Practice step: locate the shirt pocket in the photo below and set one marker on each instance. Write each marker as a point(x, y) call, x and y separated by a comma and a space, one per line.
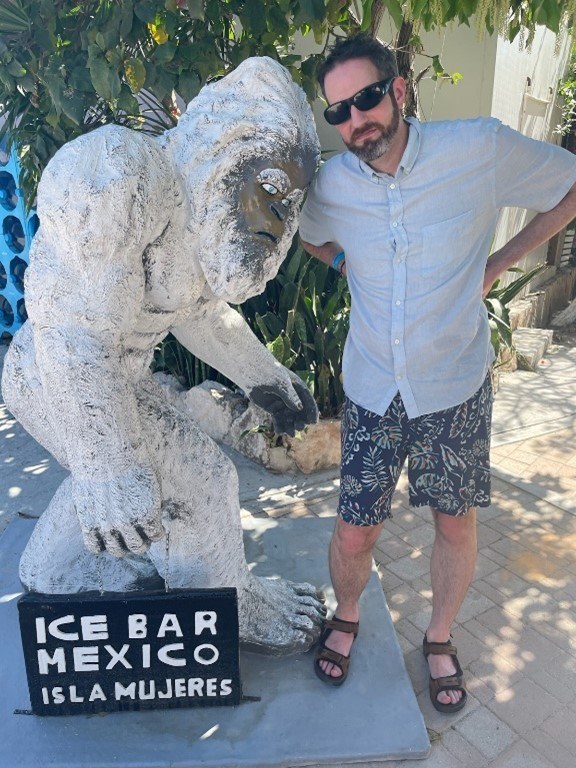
point(446, 244)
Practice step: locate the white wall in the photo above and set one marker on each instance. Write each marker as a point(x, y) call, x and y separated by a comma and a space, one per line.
point(525, 84)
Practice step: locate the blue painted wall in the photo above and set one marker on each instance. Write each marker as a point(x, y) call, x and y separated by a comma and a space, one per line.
point(17, 231)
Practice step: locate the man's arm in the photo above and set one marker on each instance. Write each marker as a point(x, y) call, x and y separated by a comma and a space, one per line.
point(542, 227)
point(324, 253)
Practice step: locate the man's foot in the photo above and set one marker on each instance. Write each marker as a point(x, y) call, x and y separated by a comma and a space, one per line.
point(331, 664)
point(447, 691)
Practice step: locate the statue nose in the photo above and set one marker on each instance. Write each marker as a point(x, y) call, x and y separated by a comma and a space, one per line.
point(279, 210)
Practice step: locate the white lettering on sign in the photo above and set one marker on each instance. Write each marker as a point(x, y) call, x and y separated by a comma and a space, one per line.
point(86, 658)
point(129, 690)
point(164, 655)
point(170, 624)
point(44, 659)
point(204, 620)
point(116, 657)
point(54, 629)
point(137, 626)
point(94, 627)
point(143, 690)
point(200, 648)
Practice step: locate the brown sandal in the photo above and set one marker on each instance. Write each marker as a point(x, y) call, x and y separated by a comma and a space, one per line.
point(327, 654)
point(453, 682)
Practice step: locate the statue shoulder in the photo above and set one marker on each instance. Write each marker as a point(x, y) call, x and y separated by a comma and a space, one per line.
point(109, 160)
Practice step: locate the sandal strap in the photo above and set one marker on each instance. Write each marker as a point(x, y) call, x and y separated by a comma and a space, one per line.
point(440, 684)
point(439, 649)
point(327, 654)
point(350, 627)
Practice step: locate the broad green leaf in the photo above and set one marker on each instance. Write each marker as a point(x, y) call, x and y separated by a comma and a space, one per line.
point(135, 73)
point(196, 9)
point(13, 18)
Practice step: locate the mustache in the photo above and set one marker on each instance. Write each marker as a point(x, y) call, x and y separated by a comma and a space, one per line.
point(366, 127)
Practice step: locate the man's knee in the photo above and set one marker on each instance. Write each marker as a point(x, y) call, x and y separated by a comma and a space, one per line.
point(355, 539)
point(456, 529)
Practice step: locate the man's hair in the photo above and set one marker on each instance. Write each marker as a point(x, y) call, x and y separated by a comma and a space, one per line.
point(360, 46)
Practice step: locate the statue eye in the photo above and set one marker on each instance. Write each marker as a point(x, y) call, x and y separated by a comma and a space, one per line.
point(270, 188)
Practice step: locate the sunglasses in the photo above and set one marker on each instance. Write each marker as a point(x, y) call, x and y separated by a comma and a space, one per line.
point(366, 99)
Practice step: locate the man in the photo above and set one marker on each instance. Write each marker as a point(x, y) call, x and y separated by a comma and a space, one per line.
point(140, 236)
point(408, 214)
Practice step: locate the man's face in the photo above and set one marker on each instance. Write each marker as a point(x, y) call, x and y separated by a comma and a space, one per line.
point(252, 221)
point(370, 134)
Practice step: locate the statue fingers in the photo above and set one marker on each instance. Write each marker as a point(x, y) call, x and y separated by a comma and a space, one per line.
point(93, 540)
point(115, 543)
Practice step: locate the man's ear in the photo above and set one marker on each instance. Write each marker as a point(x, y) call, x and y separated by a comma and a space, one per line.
point(399, 88)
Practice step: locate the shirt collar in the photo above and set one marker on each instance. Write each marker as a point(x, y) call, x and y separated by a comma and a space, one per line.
point(410, 153)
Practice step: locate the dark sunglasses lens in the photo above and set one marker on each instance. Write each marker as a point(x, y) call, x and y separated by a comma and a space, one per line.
point(369, 98)
point(337, 113)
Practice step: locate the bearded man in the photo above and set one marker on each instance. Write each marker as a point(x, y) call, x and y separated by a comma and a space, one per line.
point(140, 236)
point(408, 214)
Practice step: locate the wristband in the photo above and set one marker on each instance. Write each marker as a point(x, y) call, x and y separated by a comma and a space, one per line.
point(337, 261)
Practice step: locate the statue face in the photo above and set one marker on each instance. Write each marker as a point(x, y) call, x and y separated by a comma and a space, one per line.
point(269, 195)
point(252, 224)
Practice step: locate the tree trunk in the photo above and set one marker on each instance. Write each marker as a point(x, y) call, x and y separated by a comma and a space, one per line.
point(405, 55)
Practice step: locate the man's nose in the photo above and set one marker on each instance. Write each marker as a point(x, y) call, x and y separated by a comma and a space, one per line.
point(357, 117)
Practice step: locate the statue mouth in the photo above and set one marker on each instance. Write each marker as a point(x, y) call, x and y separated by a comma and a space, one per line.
point(268, 236)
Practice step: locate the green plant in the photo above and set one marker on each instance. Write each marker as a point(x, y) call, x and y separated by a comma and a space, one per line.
point(567, 92)
point(302, 317)
point(497, 303)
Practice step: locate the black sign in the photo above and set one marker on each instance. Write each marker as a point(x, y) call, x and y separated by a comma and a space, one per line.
point(90, 653)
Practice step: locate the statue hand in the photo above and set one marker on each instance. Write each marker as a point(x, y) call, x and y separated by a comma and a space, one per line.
point(121, 515)
point(291, 409)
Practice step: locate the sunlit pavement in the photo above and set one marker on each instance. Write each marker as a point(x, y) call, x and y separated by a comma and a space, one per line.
point(516, 634)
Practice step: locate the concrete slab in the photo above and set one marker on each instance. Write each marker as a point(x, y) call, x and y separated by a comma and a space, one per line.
point(529, 404)
point(288, 719)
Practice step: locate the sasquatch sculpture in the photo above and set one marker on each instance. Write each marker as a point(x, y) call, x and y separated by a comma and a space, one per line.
point(140, 236)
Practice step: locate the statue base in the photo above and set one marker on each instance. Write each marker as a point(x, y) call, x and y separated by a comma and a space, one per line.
point(287, 718)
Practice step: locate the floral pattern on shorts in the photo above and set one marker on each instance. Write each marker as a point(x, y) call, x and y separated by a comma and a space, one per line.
point(448, 455)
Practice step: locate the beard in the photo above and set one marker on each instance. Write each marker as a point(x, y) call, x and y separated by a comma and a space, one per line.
point(372, 149)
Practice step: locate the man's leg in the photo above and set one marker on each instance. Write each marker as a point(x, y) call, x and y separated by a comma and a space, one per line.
point(350, 567)
point(451, 570)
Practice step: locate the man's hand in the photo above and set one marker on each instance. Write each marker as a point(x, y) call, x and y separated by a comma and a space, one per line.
point(119, 516)
point(291, 410)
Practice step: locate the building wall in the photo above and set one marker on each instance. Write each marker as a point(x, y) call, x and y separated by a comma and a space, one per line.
point(524, 97)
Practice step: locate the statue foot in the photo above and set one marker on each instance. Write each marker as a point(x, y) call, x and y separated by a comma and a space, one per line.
point(278, 617)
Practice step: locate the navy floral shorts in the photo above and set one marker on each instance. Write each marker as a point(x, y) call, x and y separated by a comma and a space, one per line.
point(448, 456)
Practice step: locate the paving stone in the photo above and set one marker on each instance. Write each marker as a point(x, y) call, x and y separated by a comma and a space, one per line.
point(522, 755)
point(549, 746)
point(404, 601)
point(484, 566)
point(457, 745)
point(411, 566)
point(524, 706)
point(506, 582)
point(560, 726)
point(484, 731)
point(475, 604)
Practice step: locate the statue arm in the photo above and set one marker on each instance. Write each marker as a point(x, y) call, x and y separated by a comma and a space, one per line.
point(85, 287)
point(220, 336)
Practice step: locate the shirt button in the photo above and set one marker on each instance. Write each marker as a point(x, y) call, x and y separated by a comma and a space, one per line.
point(394, 223)
point(392, 186)
point(398, 303)
point(396, 341)
point(399, 377)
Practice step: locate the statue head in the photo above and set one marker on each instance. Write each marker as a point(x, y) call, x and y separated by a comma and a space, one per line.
point(247, 149)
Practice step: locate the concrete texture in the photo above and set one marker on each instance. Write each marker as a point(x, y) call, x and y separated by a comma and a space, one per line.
point(516, 633)
point(288, 719)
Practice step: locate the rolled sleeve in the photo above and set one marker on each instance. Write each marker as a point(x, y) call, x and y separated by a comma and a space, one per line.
point(531, 174)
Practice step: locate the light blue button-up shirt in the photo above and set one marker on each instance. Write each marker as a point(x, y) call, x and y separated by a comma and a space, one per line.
point(416, 248)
